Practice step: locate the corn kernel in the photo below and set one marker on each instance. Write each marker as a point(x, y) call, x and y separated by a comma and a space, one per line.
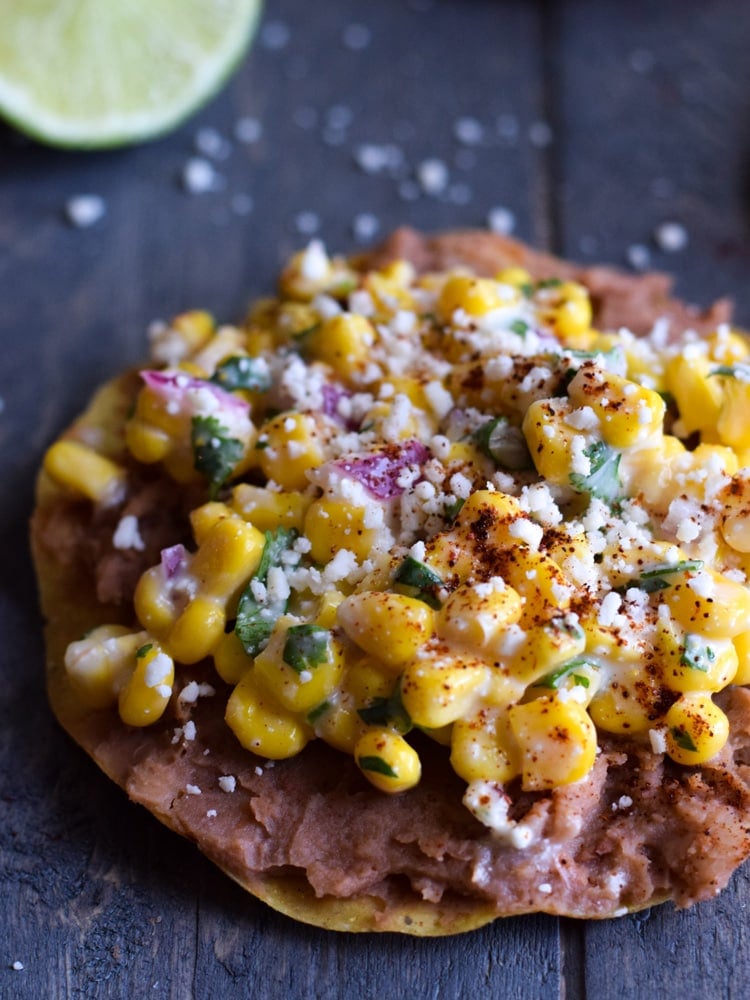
point(437, 690)
point(516, 277)
point(476, 296)
point(100, 663)
point(228, 557)
point(567, 308)
point(691, 663)
point(550, 438)
point(307, 683)
point(343, 342)
point(697, 729)
point(203, 518)
point(338, 723)
point(629, 414)
point(390, 627)
point(332, 525)
point(709, 604)
point(557, 741)
point(197, 631)
point(146, 694)
point(291, 448)
point(489, 516)
point(80, 469)
point(475, 615)
point(267, 509)
point(483, 748)
point(230, 659)
point(387, 760)
point(742, 648)
point(261, 725)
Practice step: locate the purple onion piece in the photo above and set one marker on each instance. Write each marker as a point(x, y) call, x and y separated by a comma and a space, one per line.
point(173, 560)
point(174, 386)
point(380, 471)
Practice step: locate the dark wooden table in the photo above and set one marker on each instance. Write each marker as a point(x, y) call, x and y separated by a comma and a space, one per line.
point(593, 122)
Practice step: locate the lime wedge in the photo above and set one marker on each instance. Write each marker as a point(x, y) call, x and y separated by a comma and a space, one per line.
point(97, 73)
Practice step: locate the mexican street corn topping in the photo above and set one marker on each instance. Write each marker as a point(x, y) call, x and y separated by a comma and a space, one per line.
point(437, 507)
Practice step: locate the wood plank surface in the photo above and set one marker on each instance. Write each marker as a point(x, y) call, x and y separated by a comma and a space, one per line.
point(593, 123)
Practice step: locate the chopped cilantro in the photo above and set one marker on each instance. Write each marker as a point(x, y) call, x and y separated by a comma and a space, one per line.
point(526, 289)
point(556, 677)
point(302, 335)
point(653, 579)
point(696, 654)
point(503, 443)
point(376, 764)
point(306, 647)
point(549, 283)
point(143, 650)
point(418, 579)
point(388, 711)
point(683, 739)
point(603, 480)
point(316, 713)
point(215, 454)
point(256, 618)
point(741, 371)
point(241, 372)
point(520, 326)
point(452, 510)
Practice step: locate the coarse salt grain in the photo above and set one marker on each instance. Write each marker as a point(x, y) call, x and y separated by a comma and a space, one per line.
point(501, 220)
point(433, 176)
point(199, 176)
point(247, 130)
point(671, 237)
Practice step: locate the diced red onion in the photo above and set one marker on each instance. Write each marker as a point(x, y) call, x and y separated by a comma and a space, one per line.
point(175, 386)
point(380, 471)
point(173, 559)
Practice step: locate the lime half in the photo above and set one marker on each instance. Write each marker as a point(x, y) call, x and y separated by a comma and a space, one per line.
point(96, 73)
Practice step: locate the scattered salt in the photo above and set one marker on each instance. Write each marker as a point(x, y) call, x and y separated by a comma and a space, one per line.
point(84, 210)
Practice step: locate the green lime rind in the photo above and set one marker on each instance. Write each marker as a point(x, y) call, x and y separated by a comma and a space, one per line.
point(81, 74)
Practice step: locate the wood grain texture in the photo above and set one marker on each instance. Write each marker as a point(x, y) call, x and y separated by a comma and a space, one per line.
point(98, 900)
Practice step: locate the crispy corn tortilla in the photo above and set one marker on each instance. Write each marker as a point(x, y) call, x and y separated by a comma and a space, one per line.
point(137, 759)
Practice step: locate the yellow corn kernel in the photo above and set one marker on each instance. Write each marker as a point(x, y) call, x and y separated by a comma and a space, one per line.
point(540, 582)
point(412, 422)
point(629, 414)
point(437, 689)
point(261, 724)
point(550, 438)
point(697, 729)
point(98, 665)
point(476, 296)
point(338, 723)
point(697, 393)
point(328, 606)
point(267, 509)
point(299, 683)
point(197, 630)
point(312, 271)
point(227, 342)
point(390, 627)
point(230, 659)
point(342, 341)
point(387, 760)
point(483, 748)
point(691, 663)
point(557, 742)
point(80, 469)
point(203, 518)
point(742, 648)
point(147, 692)
point(153, 602)
point(475, 615)
point(735, 518)
point(227, 557)
point(449, 554)
point(146, 443)
point(332, 525)
point(727, 346)
point(488, 515)
point(627, 705)
point(389, 287)
point(516, 277)
point(709, 604)
point(410, 387)
point(291, 448)
point(733, 426)
point(567, 308)
point(544, 647)
point(366, 680)
point(649, 472)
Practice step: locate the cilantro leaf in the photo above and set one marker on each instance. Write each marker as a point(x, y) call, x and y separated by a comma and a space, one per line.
point(603, 480)
point(376, 764)
point(657, 578)
point(215, 454)
point(419, 581)
point(306, 647)
point(388, 711)
point(503, 443)
point(741, 371)
point(316, 713)
point(556, 677)
point(257, 617)
point(241, 372)
point(683, 739)
point(143, 650)
point(520, 326)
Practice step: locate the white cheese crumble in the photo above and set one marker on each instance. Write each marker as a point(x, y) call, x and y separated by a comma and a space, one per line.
point(227, 783)
point(127, 534)
point(193, 790)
